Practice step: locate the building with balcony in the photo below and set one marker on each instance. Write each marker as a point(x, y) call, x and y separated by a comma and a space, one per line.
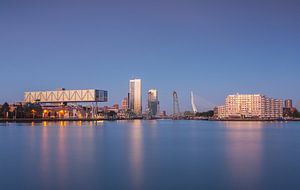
point(251, 106)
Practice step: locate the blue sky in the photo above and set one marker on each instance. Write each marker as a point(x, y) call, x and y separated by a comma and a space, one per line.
point(213, 47)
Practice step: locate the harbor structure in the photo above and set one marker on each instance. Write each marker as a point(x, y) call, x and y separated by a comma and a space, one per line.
point(135, 96)
point(250, 106)
point(62, 103)
point(66, 96)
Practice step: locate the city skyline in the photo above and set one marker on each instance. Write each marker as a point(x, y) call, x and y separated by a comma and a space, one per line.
point(205, 104)
point(211, 48)
point(149, 94)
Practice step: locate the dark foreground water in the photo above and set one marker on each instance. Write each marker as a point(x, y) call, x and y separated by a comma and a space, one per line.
point(150, 155)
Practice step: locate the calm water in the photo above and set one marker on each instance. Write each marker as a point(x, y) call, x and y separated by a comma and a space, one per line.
point(154, 155)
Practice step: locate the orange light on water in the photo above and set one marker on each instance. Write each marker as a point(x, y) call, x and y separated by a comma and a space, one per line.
point(45, 124)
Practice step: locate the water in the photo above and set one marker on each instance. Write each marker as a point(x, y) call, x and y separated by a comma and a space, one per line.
point(150, 155)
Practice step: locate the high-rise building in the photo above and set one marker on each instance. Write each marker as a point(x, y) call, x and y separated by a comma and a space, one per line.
point(251, 106)
point(288, 104)
point(135, 96)
point(125, 104)
point(153, 103)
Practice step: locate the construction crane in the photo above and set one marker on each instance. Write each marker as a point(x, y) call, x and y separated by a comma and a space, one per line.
point(176, 109)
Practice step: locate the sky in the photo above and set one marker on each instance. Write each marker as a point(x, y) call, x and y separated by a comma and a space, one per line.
point(211, 47)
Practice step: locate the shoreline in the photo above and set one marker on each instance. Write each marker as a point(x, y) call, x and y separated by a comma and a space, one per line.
point(258, 120)
point(28, 120)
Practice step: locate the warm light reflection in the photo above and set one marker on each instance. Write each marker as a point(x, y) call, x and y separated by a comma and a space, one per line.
point(45, 155)
point(63, 123)
point(61, 154)
point(136, 156)
point(32, 124)
point(248, 125)
point(45, 124)
point(244, 152)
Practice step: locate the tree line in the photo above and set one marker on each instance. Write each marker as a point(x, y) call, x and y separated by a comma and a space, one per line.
point(21, 111)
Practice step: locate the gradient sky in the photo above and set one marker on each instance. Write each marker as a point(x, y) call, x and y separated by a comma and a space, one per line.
point(213, 47)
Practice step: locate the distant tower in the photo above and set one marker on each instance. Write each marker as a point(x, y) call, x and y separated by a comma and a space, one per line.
point(153, 103)
point(193, 103)
point(135, 96)
point(176, 110)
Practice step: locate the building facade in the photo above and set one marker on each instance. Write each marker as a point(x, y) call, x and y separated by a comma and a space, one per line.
point(153, 103)
point(289, 110)
point(220, 112)
point(125, 104)
point(135, 96)
point(288, 104)
point(251, 106)
point(67, 96)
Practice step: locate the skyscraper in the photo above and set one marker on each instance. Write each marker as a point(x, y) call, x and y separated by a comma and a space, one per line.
point(135, 96)
point(153, 103)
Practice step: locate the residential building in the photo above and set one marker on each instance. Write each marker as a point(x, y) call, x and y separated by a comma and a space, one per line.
point(251, 106)
point(220, 112)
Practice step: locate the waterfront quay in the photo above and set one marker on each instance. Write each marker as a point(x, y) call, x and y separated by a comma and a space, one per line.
point(26, 120)
point(83, 105)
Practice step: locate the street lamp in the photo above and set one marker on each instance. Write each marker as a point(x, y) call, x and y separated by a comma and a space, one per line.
point(33, 113)
point(45, 113)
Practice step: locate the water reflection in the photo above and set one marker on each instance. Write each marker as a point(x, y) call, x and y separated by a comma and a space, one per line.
point(136, 156)
point(150, 155)
point(244, 153)
point(63, 123)
point(45, 156)
point(61, 155)
point(45, 124)
point(153, 131)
